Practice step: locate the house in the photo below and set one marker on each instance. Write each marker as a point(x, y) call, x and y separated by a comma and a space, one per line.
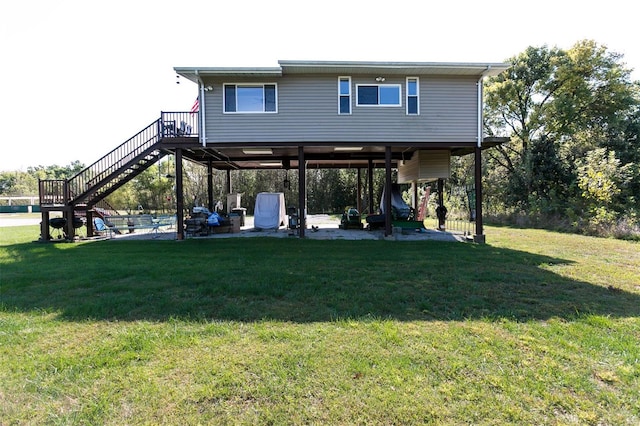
point(412, 116)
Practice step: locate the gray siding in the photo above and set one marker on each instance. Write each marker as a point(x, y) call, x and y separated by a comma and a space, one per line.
point(308, 112)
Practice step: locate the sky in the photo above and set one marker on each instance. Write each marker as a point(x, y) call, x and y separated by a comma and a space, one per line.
point(78, 78)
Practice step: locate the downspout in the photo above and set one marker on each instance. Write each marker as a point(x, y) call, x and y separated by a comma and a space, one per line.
point(480, 115)
point(201, 112)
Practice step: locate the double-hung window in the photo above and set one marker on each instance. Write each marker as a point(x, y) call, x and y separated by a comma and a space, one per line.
point(378, 95)
point(344, 95)
point(250, 98)
point(413, 99)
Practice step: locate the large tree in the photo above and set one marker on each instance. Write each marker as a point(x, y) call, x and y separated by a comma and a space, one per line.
point(557, 105)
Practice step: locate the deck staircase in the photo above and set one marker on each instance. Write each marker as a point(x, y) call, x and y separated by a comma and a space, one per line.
point(95, 182)
point(86, 191)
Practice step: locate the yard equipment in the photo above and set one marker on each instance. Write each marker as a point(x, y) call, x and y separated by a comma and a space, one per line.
point(351, 219)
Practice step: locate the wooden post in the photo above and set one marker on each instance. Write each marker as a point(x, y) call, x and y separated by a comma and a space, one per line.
point(479, 236)
point(441, 220)
point(302, 196)
point(179, 196)
point(359, 191)
point(89, 224)
point(229, 186)
point(70, 230)
point(210, 184)
point(370, 179)
point(45, 235)
point(387, 192)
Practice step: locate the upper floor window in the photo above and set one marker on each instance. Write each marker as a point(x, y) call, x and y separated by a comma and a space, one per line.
point(344, 95)
point(250, 98)
point(413, 99)
point(378, 95)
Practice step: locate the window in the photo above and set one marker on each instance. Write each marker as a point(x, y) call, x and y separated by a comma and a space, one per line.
point(344, 95)
point(413, 88)
point(250, 98)
point(378, 95)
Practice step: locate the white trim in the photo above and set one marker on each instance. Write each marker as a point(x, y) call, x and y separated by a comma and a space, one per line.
point(399, 86)
point(417, 95)
point(256, 84)
point(340, 95)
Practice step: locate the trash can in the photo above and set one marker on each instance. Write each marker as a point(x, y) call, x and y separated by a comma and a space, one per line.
point(240, 211)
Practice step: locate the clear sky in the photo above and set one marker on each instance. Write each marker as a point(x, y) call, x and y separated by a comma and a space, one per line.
point(78, 78)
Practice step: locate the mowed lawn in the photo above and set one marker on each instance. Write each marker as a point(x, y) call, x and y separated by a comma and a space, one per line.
point(534, 327)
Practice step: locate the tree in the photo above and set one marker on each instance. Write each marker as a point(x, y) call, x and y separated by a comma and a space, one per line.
point(556, 106)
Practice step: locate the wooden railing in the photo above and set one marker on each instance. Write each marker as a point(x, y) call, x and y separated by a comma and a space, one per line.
point(53, 192)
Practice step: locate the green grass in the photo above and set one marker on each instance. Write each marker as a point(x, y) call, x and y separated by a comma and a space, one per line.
point(535, 327)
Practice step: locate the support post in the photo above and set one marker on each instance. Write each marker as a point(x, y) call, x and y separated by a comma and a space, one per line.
point(210, 184)
point(359, 191)
point(70, 230)
point(387, 192)
point(89, 224)
point(302, 196)
point(479, 236)
point(441, 216)
point(45, 235)
point(370, 184)
point(179, 196)
point(229, 186)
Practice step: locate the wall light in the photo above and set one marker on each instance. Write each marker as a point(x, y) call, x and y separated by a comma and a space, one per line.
point(380, 79)
point(208, 88)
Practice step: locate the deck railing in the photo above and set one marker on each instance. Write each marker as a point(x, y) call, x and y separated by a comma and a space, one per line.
point(179, 124)
point(53, 192)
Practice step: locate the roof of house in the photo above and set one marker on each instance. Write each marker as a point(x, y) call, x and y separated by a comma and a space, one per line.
point(477, 69)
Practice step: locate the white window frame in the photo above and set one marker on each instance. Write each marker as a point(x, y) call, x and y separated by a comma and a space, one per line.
point(246, 84)
point(399, 104)
point(417, 95)
point(349, 95)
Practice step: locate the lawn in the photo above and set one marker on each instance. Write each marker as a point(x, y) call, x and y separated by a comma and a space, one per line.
point(534, 327)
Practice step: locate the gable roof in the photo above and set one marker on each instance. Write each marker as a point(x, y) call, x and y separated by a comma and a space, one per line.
point(477, 69)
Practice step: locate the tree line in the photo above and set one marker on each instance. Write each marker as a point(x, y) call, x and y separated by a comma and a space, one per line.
point(572, 162)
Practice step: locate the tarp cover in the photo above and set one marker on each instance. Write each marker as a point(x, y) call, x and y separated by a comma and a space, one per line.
point(400, 209)
point(270, 211)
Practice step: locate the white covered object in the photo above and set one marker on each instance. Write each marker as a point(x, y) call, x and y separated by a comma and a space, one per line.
point(270, 211)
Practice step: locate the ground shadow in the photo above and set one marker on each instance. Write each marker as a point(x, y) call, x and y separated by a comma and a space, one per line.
point(296, 280)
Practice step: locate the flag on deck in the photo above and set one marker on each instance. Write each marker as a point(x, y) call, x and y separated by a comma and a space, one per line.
point(196, 106)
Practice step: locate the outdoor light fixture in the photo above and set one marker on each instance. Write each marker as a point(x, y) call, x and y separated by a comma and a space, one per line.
point(380, 79)
point(208, 88)
point(270, 164)
point(257, 151)
point(347, 148)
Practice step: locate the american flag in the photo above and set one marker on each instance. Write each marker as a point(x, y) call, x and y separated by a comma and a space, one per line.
point(196, 106)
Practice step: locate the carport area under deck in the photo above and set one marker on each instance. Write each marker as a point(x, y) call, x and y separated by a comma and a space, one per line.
point(303, 156)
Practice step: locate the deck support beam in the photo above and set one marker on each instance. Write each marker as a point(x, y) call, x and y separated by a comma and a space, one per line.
point(210, 184)
point(370, 184)
point(387, 192)
point(302, 195)
point(179, 196)
point(479, 236)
